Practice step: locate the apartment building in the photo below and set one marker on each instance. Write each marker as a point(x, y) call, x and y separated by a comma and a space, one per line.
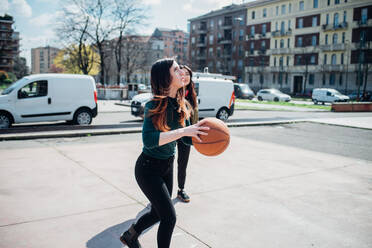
point(42, 59)
point(9, 43)
point(175, 43)
point(298, 45)
point(217, 41)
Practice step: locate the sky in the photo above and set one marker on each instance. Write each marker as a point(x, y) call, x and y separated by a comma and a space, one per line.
point(35, 19)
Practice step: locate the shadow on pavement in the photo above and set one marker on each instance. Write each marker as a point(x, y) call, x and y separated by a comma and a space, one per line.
point(109, 238)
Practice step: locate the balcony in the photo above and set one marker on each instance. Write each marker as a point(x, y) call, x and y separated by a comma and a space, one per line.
point(281, 33)
point(201, 43)
point(333, 68)
point(227, 25)
point(224, 40)
point(279, 51)
point(202, 30)
point(333, 27)
point(364, 22)
point(333, 47)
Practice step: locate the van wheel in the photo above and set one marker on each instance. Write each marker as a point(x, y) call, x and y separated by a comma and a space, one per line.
point(259, 98)
point(276, 99)
point(5, 121)
point(315, 101)
point(223, 114)
point(83, 117)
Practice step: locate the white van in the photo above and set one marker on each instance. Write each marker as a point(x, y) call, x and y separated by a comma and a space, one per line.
point(323, 95)
point(49, 97)
point(215, 96)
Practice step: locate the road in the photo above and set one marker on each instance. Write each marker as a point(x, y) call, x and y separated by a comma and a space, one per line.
point(292, 185)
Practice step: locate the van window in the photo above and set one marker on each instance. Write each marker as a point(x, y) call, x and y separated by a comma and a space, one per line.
point(329, 93)
point(196, 86)
point(13, 86)
point(34, 89)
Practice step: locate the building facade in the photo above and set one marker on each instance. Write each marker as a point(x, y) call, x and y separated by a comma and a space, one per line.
point(42, 59)
point(9, 43)
point(217, 41)
point(298, 45)
point(175, 43)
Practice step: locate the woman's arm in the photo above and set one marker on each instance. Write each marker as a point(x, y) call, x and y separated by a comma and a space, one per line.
point(189, 131)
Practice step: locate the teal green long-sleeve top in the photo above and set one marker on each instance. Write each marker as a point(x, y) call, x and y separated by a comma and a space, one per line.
point(150, 135)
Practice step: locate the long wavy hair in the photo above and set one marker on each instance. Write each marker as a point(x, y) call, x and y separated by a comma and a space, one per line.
point(160, 83)
point(190, 88)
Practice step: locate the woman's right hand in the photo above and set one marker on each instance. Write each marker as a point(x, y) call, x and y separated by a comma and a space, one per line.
point(196, 130)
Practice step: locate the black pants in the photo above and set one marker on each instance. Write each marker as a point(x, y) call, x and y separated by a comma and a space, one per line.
point(155, 178)
point(182, 160)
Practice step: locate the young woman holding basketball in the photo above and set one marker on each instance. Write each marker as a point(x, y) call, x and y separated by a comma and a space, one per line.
point(166, 120)
point(183, 149)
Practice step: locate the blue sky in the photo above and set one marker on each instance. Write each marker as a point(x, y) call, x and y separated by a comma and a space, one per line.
point(35, 19)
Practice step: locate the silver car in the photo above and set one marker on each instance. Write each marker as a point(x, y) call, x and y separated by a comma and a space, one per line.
point(272, 95)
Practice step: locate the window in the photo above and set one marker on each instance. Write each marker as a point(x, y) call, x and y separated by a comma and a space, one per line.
point(264, 29)
point(276, 26)
point(193, 40)
point(219, 22)
point(313, 40)
point(328, 2)
point(323, 79)
point(274, 61)
point(277, 10)
point(343, 38)
point(327, 19)
point(312, 59)
point(299, 42)
point(283, 9)
point(333, 60)
point(253, 14)
point(315, 4)
point(335, 20)
point(211, 23)
point(211, 51)
point(340, 80)
point(193, 27)
point(342, 58)
point(311, 79)
point(261, 78)
point(250, 78)
point(287, 60)
point(34, 89)
point(288, 42)
point(325, 59)
point(211, 39)
point(289, 24)
point(252, 31)
point(337, 1)
point(264, 13)
point(334, 39)
point(274, 78)
point(241, 34)
point(301, 6)
point(364, 15)
point(290, 8)
point(345, 16)
point(252, 47)
point(281, 62)
point(276, 43)
point(315, 21)
point(218, 52)
point(240, 63)
point(282, 27)
point(332, 79)
point(298, 60)
point(286, 78)
point(300, 23)
point(263, 45)
point(326, 39)
point(281, 43)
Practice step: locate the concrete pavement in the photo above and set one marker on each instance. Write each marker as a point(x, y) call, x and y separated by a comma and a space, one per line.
point(81, 192)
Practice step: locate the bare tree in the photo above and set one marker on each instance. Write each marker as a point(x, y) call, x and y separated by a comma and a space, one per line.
point(127, 14)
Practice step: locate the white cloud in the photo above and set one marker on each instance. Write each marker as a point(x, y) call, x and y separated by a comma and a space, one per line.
point(151, 2)
point(21, 7)
point(4, 6)
point(43, 20)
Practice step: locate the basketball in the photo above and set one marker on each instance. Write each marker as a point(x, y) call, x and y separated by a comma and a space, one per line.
point(216, 141)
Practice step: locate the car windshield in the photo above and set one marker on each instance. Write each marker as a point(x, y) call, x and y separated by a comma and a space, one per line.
point(13, 86)
point(244, 87)
point(336, 92)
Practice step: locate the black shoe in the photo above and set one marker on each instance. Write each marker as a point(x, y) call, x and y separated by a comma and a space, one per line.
point(130, 238)
point(183, 196)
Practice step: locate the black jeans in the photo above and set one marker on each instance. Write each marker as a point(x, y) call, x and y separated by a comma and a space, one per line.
point(182, 160)
point(155, 178)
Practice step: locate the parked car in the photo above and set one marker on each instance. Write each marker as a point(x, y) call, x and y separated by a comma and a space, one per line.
point(354, 95)
point(272, 95)
point(49, 97)
point(243, 91)
point(215, 94)
point(323, 95)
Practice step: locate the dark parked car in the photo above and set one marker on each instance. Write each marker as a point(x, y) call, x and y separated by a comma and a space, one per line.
point(243, 91)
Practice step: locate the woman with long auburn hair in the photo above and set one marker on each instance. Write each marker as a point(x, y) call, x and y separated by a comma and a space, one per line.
point(182, 148)
point(166, 120)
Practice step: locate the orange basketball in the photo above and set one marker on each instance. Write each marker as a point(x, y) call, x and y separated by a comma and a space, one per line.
point(216, 141)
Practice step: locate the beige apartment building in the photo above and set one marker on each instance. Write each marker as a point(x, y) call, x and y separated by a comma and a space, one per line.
point(42, 59)
point(298, 45)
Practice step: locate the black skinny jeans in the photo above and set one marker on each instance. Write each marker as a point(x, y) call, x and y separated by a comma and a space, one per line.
point(182, 160)
point(155, 178)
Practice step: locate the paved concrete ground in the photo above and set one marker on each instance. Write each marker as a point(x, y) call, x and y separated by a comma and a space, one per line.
point(81, 192)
